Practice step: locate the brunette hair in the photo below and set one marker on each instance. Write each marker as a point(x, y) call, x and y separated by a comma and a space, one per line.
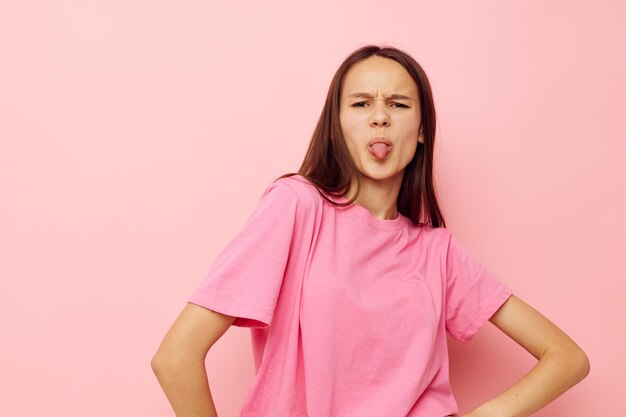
point(328, 164)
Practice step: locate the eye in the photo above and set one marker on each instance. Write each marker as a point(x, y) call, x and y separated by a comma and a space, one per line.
point(362, 103)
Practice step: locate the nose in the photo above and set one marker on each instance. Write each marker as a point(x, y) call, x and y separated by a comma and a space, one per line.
point(380, 115)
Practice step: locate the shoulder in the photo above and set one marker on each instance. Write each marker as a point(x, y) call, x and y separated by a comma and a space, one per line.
point(436, 235)
point(299, 189)
point(432, 242)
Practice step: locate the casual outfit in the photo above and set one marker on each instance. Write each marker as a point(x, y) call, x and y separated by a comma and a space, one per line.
point(348, 313)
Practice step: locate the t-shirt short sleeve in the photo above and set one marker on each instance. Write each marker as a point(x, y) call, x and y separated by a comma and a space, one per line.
point(474, 294)
point(245, 279)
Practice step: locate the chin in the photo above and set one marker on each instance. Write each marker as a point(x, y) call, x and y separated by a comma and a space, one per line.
point(380, 175)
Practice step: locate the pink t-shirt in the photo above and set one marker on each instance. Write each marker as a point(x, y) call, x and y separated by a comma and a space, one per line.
point(348, 312)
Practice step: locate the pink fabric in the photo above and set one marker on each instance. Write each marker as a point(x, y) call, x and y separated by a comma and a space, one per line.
point(348, 313)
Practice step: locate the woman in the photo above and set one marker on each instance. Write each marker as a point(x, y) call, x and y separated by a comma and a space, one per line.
point(348, 294)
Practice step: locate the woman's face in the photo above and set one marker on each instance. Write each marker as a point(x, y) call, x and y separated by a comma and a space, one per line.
point(379, 99)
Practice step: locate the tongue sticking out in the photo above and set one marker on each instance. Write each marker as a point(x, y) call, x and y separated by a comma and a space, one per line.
point(379, 150)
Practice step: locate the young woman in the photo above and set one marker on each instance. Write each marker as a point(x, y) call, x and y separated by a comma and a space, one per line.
point(349, 280)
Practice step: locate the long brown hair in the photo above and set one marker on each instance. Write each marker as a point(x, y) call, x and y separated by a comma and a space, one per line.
point(328, 164)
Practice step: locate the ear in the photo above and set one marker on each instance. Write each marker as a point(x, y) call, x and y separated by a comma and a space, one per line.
point(420, 136)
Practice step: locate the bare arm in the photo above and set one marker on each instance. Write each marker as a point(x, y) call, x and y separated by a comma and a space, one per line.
point(562, 364)
point(179, 362)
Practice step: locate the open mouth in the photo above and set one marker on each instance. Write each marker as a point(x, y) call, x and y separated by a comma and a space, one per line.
point(379, 150)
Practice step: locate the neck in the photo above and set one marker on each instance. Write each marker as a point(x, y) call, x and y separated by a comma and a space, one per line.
point(379, 197)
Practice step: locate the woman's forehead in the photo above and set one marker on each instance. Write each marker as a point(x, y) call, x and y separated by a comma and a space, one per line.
point(369, 77)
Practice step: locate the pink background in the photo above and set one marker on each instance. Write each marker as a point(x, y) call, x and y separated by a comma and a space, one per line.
point(136, 138)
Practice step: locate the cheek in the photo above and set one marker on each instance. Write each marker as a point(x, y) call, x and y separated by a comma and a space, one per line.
point(410, 124)
point(349, 123)
point(347, 131)
point(344, 123)
point(351, 133)
point(408, 150)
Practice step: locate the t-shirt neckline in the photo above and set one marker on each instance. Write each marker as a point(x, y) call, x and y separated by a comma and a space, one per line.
point(362, 213)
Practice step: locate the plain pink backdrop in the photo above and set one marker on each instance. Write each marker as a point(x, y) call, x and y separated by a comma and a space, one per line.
point(137, 137)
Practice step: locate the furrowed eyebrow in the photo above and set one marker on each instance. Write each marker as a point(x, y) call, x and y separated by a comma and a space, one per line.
point(393, 96)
